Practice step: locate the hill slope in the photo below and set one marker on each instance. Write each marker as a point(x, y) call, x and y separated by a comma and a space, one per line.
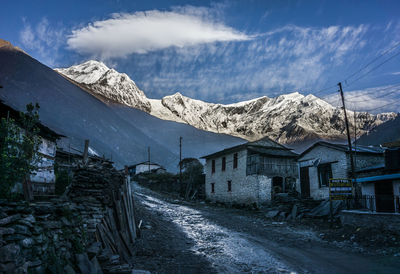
point(385, 133)
point(73, 112)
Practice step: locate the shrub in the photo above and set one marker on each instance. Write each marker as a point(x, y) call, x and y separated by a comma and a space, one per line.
point(19, 143)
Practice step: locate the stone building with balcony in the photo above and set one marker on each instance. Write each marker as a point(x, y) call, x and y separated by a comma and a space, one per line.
point(251, 173)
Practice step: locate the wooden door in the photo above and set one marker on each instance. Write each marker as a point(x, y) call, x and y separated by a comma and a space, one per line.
point(304, 182)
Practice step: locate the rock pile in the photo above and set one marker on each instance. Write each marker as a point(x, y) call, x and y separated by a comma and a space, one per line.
point(93, 188)
point(288, 207)
point(89, 230)
point(39, 237)
point(105, 200)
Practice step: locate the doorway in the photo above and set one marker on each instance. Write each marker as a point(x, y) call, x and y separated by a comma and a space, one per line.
point(384, 196)
point(277, 185)
point(304, 182)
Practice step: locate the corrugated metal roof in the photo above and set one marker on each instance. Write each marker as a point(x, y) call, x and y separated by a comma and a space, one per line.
point(369, 168)
point(145, 163)
point(345, 148)
point(265, 144)
point(272, 151)
point(378, 178)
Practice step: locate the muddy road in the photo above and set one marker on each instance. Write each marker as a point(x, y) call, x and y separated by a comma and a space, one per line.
point(179, 237)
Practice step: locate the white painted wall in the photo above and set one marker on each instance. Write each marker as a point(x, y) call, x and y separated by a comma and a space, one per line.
point(145, 168)
point(340, 169)
point(396, 187)
point(46, 154)
point(368, 189)
point(324, 155)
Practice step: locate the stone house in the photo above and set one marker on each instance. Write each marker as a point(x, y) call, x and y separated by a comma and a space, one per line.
point(324, 160)
point(145, 167)
point(380, 184)
point(250, 173)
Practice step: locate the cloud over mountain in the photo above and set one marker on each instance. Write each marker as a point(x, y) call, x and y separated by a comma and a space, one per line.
point(143, 32)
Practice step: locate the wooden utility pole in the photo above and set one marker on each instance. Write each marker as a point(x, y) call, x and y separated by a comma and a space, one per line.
point(180, 163)
point(348, 131)
point(86, 153)
point(148, 156)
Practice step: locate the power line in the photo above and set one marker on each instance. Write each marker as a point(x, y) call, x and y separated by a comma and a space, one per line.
point(364, 67)
point(372, 109)
point(375, 59)
point(365, 100)
point(373, 91)
point(374, 68)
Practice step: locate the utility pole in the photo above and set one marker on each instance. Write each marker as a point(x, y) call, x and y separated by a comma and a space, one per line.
point(148, 156)
point(348, 137)
point(180, 163)
point(85, 156)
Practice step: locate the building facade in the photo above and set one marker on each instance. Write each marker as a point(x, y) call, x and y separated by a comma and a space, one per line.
point(324, 160)
point(145, 167)
point(250, 173)
point(380, 184)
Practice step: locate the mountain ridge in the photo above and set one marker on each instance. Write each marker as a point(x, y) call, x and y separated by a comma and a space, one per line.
point(117, 131)
point(287, 118)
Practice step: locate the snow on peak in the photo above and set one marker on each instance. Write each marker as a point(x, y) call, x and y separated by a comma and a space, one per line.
point(286, 118)
point(109, 83)
point(88, 72)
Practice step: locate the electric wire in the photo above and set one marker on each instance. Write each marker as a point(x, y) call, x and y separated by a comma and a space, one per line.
point(375, 59)
point(374, 68)
point(372, 91)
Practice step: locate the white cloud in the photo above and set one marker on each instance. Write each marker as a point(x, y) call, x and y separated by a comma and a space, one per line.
point(42, 41)
point(283, 60)
point(143, 32)
point(374, 100)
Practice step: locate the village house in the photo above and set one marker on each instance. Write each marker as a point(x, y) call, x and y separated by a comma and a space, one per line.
point(42, 181)
point(145, 167)
point(324, 160)
point(380, 184)
point(250, 173)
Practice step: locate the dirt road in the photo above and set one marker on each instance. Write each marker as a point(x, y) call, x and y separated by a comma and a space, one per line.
point(182, 237)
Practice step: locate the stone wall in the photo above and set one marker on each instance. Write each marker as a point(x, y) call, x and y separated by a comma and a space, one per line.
point(384, 221)
point(366, 160)
point(39, 237)
point(62, 235)
point(326, 155)
point(244, 189)
point(340, 163)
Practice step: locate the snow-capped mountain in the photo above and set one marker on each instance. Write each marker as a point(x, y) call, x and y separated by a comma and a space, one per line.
point(103, 81)
point(115, 131)
point(287, 118)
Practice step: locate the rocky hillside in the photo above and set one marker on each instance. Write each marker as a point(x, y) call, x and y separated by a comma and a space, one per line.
point(103, 81)
point(288, 118)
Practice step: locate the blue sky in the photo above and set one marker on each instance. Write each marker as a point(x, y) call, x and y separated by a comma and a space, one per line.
point(223, 51)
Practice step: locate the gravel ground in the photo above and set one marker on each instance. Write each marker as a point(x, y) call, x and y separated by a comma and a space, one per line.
point(182, 237)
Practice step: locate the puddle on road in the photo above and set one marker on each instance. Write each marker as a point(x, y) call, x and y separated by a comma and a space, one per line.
point(227, 250)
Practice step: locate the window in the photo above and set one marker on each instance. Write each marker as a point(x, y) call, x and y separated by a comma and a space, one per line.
point(235, 160)
point(223, 163)
point(212, 187)
point(213, 166)
point(324, 174)
point(229, 186)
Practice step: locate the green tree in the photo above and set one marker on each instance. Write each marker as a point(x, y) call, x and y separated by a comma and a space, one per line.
point(192, 171)
point(19, 143)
